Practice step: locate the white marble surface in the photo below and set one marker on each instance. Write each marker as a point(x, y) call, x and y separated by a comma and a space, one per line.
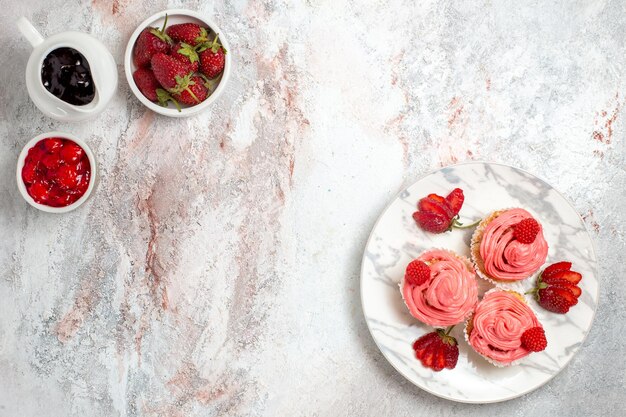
point(215, 269)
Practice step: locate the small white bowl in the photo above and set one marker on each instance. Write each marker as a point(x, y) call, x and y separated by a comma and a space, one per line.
point(22, 158)
point(176, 16)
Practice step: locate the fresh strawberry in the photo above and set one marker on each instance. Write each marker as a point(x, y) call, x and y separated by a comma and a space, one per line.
point(571, 276)
point(437, 198)
point(150, 87)
point(186, 53)
point(437, 350)
point(146, 83)
point(428, 204)
point(526, 231)
point(212, 58)
point(189, 33)
point(534, 339)
point(196, 92)
point(556, 299)
point(170, 72)
point(431, 222)
point(150, 42)
point(455, 200)
point(562, 283)
point(556, 289)
point(417, 273)
point(437, 214)
point(559, 266)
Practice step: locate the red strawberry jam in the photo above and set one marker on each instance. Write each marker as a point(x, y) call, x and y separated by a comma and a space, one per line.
point(56, 172)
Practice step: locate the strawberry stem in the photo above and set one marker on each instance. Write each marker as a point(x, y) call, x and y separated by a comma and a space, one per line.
point(448, 330)
point(458, 225)
point(164, 23)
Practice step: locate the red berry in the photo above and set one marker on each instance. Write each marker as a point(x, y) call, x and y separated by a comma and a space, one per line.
point(212, 58)
point(437, 350)
point(189, 33)
point(172, 74)
point(52, 145)
point(198, 88)
point(571, 276)
point(186, 54)
point(417, 273)
point(71, 153)
point(534, 339)
point(559, 266)
point(431, 222)
point(146, 83)
point(526, 231)
point(428, 204)
point(455, 200)
point(150, 42)
point(563, 283)
point(556, 299)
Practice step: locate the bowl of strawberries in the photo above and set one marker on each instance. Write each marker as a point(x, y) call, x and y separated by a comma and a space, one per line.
point(177, 62)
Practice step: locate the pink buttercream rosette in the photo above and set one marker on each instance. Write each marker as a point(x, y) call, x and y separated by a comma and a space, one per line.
point(449, 296)
point(498, 256)
point(499, 320)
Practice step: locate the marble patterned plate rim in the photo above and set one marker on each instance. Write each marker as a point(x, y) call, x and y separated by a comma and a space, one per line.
point(595, 273)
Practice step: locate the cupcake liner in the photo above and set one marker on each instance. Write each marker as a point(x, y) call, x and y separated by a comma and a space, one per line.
point(469, 323)
point(470, 266)
point(516, 286)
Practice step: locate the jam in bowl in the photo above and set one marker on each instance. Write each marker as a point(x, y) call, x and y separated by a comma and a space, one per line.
point(56, 172)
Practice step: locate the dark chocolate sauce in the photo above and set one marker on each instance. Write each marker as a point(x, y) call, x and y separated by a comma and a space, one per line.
point(65, 73)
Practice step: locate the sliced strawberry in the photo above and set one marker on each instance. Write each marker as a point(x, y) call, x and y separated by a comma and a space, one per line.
point(455, 200)
point(575, 289)
point(431, 222)
point(433, 206)
point(437, 198)
point(571, 276)
point(559, 266)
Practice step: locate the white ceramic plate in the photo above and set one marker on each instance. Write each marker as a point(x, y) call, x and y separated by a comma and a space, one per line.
point(396, 240)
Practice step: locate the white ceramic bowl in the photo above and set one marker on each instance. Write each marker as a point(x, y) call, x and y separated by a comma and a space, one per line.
point(176, 16)
point(22, 158)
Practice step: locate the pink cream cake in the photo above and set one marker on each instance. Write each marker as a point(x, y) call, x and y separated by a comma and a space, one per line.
point(498, 256)
point(496, 327)
point(448, 296)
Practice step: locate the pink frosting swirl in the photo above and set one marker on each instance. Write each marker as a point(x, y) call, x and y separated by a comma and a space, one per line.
point(448, 296)
point(505, 258)
point(497, 326)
